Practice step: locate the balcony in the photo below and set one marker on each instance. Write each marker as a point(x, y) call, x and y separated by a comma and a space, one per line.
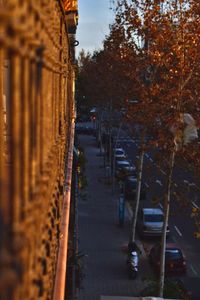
point(71, 12)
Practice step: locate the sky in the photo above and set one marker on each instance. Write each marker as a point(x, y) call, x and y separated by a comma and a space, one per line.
point(93, 25)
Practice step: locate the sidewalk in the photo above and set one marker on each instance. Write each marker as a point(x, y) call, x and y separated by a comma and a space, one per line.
point(101, 238)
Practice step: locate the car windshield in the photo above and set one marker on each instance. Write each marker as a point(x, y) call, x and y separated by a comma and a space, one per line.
point(173, 254)
point(126, 167)
point(119, 152)
point(123, 163)
point(153, 218)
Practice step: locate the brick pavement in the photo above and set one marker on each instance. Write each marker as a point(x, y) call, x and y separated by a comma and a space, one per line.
point(100, 237)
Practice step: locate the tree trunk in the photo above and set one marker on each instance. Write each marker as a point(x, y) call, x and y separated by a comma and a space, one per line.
point(165, 224)
point(114, 160)
point(138, 189)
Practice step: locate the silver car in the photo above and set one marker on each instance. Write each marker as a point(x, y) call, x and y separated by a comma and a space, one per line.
point(150, 222)
point(119, 153)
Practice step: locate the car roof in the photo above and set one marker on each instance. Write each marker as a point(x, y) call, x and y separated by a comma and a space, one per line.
point(174, 250)
point(119, 149)
point(152, 211)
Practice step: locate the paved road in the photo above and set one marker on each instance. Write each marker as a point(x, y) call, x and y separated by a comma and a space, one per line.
point(184, 187)
point(100, 237)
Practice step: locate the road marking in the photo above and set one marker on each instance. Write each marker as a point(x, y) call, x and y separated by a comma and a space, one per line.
point(178, 231)
point(150, 159)
point(175, 185)
point(146, 184)
point(192, 184)
point(147, 155)
point(195, 205)
point(160, 205)
point(186, 181)
point(163, 172)
point(159, 182)
point(193, 270)
point(137, 156)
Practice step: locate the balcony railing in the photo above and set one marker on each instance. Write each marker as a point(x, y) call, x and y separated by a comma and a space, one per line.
point(36, 117)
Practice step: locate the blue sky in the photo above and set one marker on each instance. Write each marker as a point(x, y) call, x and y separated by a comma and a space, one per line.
point(94, 19)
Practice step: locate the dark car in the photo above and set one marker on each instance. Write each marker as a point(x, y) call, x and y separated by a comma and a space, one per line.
point(123, 169)
point(175, 263)
point(130, 185)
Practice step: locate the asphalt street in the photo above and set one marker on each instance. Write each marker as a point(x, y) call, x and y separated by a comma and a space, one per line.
point(185, 196)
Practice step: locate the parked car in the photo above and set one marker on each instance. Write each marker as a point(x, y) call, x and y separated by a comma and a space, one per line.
point(123, 169)
point(130, 185)
point(119, 151)
point(150, 222)
point(118, 158)
point(119, 154)
point(174, 259)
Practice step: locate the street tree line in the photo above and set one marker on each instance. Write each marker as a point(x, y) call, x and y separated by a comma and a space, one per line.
point(152, 55)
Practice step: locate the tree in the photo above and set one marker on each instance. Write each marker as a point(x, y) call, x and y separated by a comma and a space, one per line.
point(152, 55)
point(165, 36)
